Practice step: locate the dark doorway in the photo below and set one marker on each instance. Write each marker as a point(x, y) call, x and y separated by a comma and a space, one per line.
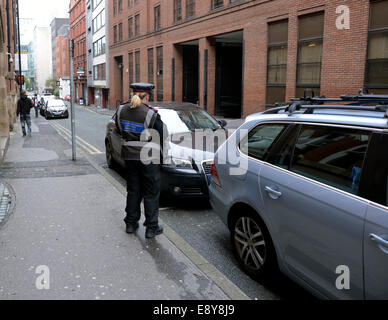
point(120, 84)
point(190, 73)
point(229, 73)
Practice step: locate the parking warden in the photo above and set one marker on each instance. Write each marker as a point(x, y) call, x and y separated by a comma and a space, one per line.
point(143, 179)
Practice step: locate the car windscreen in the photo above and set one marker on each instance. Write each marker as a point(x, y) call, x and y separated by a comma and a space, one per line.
point(56, 103)
point(179, 121)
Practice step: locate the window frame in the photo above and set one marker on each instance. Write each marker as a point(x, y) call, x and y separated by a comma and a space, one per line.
point(157, 17)
point(302, 41)
point(271, 45)
point(300, 124)
point(177, 11)
point(369, 85)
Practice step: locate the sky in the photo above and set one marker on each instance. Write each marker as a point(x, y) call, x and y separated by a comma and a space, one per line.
point(43, 12)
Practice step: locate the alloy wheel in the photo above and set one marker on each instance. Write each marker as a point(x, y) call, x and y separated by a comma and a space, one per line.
point(250, 243)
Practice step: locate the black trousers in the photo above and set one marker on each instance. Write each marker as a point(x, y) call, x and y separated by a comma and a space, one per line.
point(143, 183)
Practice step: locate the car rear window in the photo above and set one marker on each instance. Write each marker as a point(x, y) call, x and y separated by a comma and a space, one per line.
point(331, 155)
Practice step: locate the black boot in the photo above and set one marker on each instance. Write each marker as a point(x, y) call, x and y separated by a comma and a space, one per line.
point(131, 228)
point(152, 232)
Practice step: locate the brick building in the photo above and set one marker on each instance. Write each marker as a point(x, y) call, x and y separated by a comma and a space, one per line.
point(236, 57)
point(59, 27)
point(62, 57)
point(78, 33)
point(8, 86)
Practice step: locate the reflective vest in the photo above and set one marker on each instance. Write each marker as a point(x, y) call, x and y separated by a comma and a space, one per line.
point(134, 124)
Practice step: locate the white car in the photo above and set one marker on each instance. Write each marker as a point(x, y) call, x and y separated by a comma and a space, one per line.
point(56, 108)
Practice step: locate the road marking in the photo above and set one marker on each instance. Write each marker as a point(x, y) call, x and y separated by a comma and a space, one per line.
point(80, 142)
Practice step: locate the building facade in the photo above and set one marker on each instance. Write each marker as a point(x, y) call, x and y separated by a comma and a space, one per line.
point(237, 57)
point(98, 54)
point(8, 86)
point(42, 57)
point(59, 27)
point(77, 12)
point(62, 57)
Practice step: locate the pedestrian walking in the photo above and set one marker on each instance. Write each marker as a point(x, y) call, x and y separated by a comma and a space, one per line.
point(143, 179)
point(24, 109)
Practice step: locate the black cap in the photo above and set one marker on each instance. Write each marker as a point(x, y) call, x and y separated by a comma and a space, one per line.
point(142, 87)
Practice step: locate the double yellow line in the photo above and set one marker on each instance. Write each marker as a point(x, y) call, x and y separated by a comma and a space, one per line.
point(66, 134)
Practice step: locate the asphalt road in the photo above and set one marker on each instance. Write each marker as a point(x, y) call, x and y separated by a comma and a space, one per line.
point(195, 222)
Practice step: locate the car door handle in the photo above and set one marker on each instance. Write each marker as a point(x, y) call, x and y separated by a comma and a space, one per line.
point(378, 240)
point(274, 194)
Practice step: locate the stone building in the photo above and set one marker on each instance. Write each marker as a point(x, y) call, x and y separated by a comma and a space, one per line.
point(8, 86)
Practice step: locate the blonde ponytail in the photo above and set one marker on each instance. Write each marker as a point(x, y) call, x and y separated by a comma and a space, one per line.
point(137, 99)
point(135, 102)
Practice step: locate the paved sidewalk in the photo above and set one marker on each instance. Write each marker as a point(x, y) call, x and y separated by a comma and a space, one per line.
point(69, 218)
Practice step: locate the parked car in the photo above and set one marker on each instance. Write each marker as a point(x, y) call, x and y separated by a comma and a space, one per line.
point(311, 198)
point(186, 176)
point(56, 108)
point(46, 97)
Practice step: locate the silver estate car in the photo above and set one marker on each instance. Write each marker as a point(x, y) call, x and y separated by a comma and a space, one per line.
point(303, 188)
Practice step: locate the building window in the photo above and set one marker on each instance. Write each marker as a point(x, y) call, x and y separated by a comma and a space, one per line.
point(130, 27)
point(99, 47)
point(99, 72)
point(177, 10)
point(120, 32)
point(120, 6)
point(95, 3)
point(99, 21)
point(114, 7)
point(130, 3)
point(190, 8)
point(114, 34)
point(137, 66)
point(130, 68)
point(137, 24)
point(309, 62)
point(277, 62)
point(376, 79)
point(159, 74)
point(151, 65)
point(217, 4)
point(157, 18)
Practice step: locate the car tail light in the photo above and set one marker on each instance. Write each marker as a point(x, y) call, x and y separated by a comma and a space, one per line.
point(214, 173)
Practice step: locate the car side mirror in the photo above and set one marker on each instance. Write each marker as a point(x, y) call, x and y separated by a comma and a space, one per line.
point(222, 123)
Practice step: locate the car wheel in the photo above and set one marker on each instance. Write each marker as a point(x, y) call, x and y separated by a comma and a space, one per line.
point(109, 157)
point(253, 246)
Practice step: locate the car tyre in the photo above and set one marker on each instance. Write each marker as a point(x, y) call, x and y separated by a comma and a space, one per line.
point(253, 246)
point(109, 156)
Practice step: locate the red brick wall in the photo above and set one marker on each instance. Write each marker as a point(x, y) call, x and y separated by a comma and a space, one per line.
point(77, 11)
point(344, 51)
point(63, 63)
